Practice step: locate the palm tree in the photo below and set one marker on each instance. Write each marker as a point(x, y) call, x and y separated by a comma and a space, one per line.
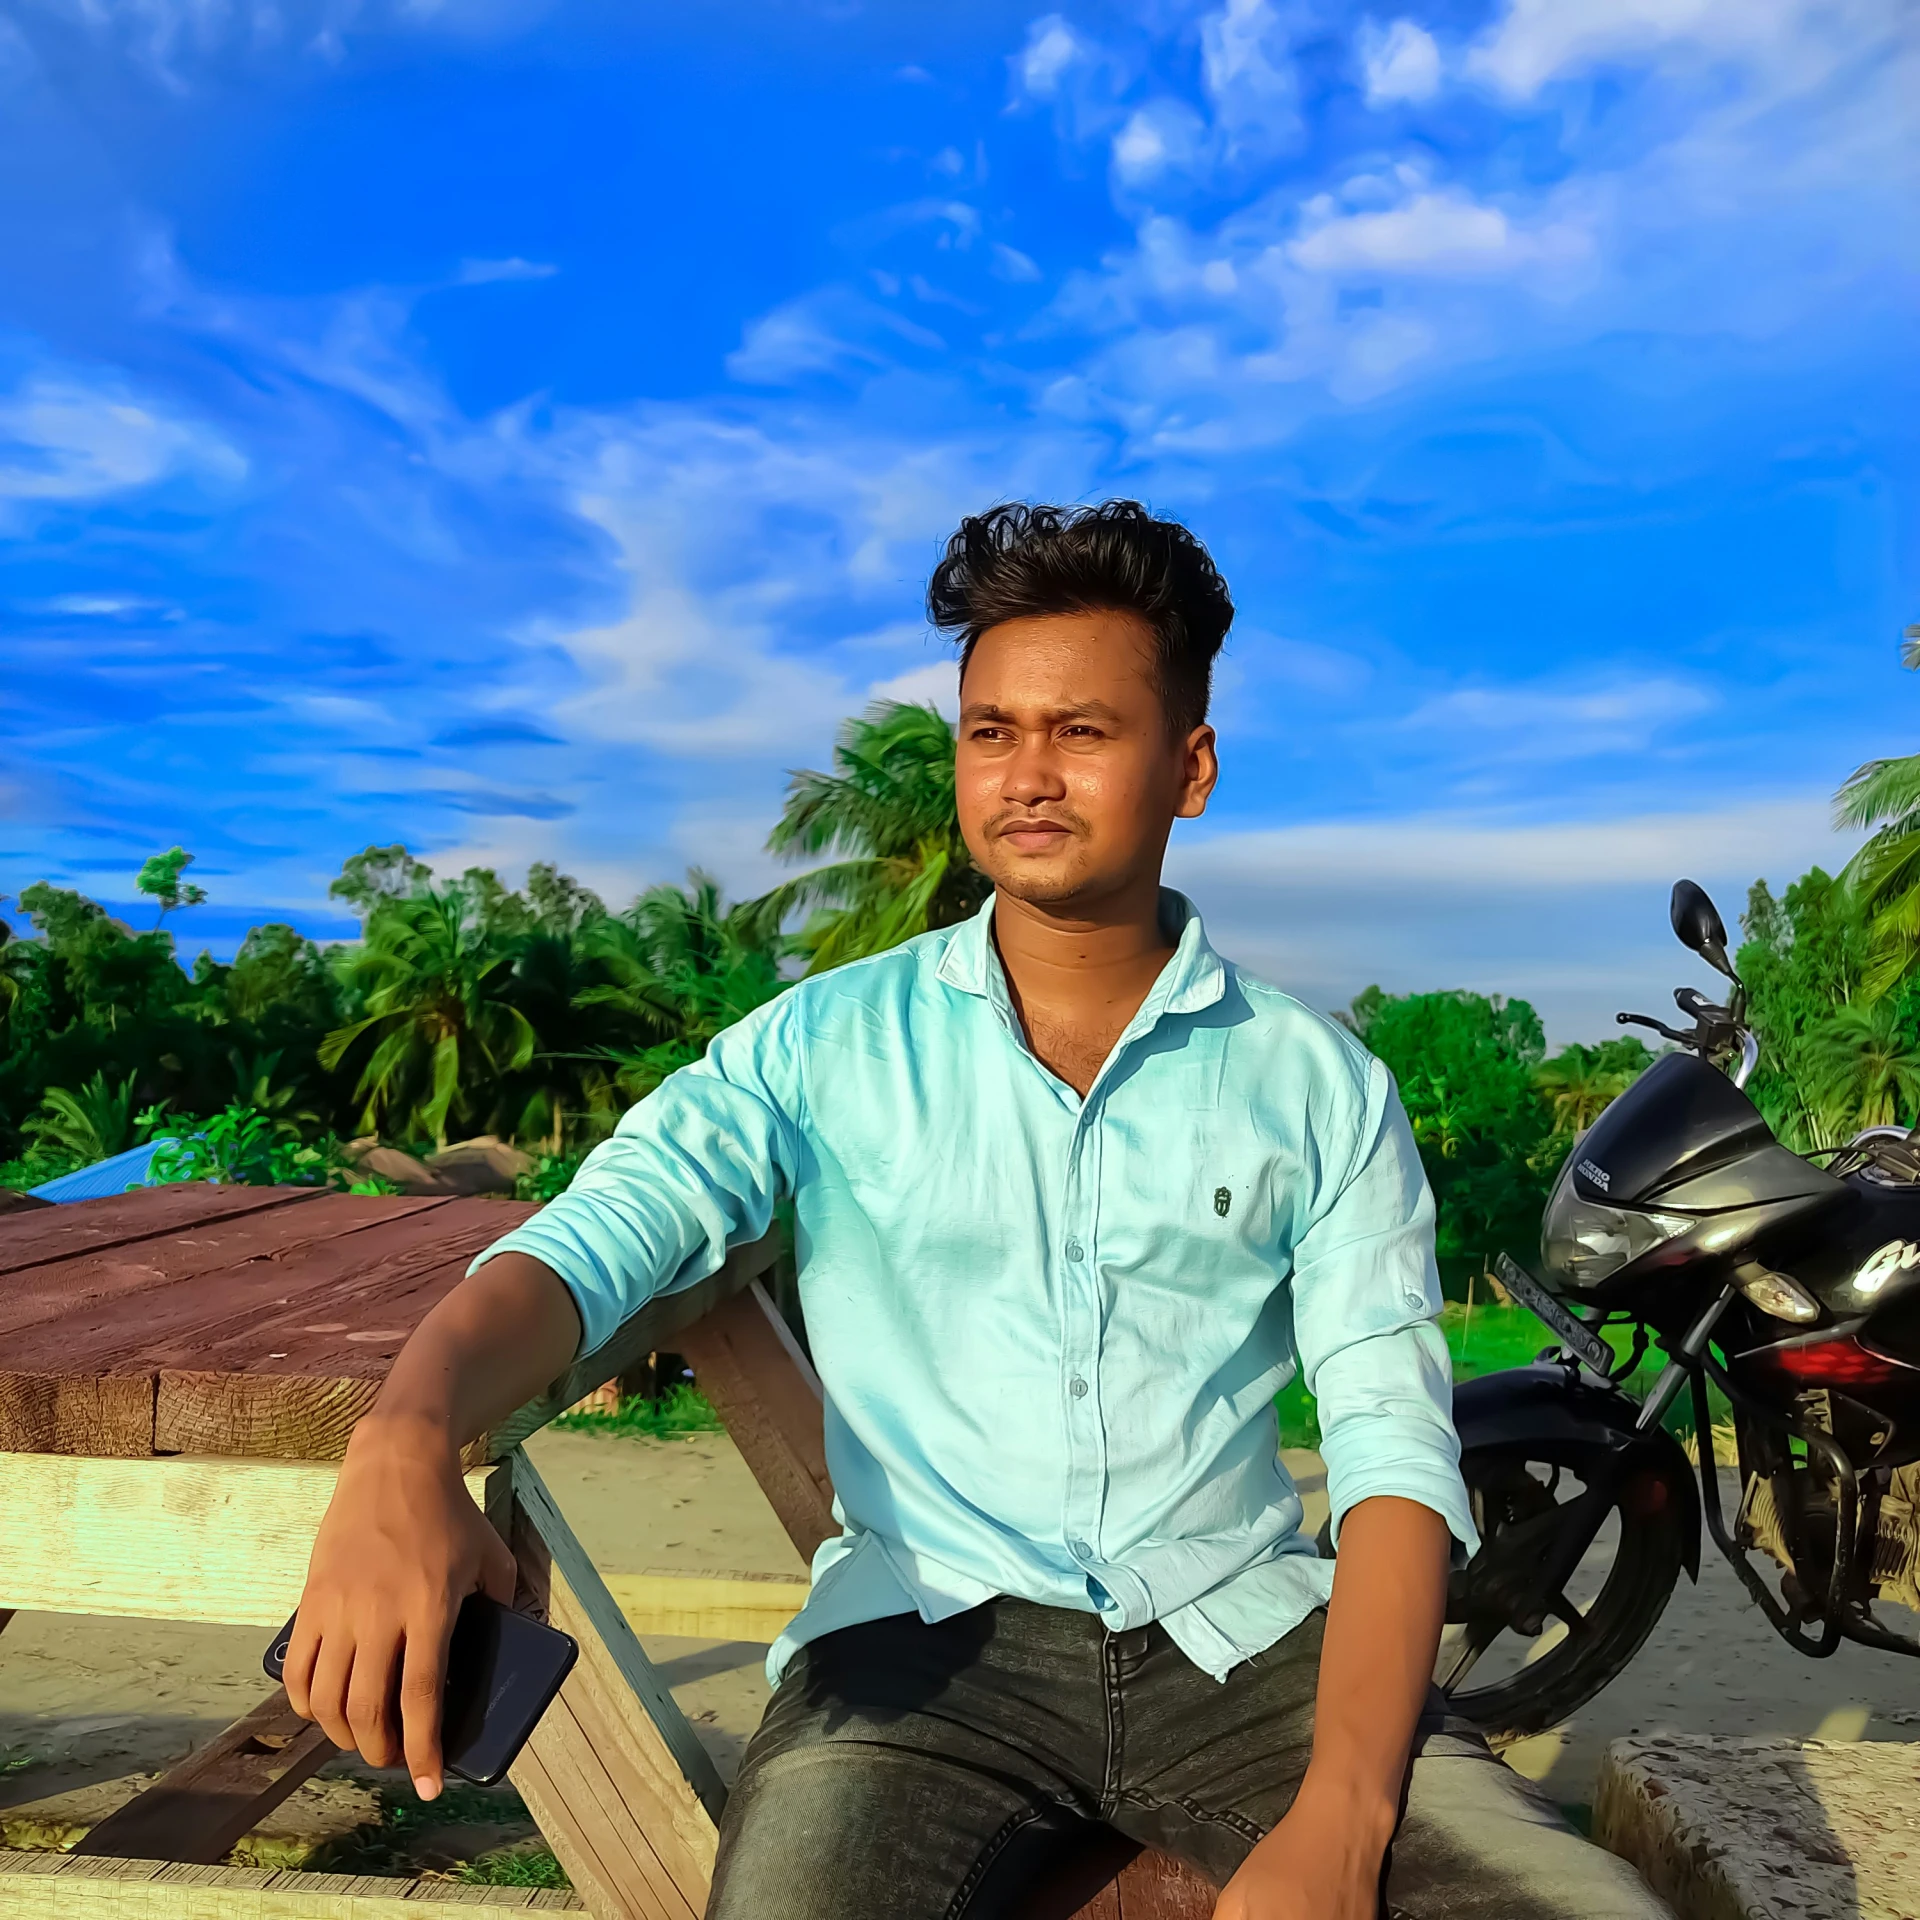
point(888, 807)
point(435, 985)
point(1579, 1082)
point(94, 1123)
point(682, 966)
point(1885, 873)
point(1864, 1071)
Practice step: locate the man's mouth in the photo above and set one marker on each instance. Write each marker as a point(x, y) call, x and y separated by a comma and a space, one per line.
point(1035, 836)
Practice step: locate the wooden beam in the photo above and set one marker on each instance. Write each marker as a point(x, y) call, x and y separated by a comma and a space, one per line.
point(658, 1324)
point(624, 1793)
point(749, 1365)
point(183, 1539)
point(59, 1886)
point(200, 1809)
point(723, 1606)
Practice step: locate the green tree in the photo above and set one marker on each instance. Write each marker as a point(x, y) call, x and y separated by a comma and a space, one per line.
point(92, 1122)
point(1579, 1082)
point(440, 1028)
point(1884, 796)
point(160, 880)
point(888, 808)
point(1864, 1068)
point(1465, 1064)
point(378, 874)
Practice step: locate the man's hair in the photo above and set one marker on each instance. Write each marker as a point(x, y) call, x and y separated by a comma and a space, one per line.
point(1014, 562)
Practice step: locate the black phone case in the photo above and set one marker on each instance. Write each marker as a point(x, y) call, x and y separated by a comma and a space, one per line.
point(503, 1671)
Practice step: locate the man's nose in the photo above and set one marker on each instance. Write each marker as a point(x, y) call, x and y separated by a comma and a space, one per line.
point(1033, 774)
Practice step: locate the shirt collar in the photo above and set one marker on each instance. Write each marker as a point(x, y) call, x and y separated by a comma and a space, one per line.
point(1193, 978)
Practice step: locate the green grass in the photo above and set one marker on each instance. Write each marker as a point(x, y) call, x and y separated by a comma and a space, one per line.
point(532, 1866)
point(681, 1409)
point(391, 1846)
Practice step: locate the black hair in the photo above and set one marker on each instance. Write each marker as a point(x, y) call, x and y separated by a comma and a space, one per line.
point(1015, 561)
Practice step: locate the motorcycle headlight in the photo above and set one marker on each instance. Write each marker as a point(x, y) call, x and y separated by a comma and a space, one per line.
point(1584, 1242)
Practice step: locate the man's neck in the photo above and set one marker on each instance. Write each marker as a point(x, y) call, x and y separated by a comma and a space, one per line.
point(1078, 974)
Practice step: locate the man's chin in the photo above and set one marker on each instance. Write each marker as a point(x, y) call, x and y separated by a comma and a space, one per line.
point(1040, 883)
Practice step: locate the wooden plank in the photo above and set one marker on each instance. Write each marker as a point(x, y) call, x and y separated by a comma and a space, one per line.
point(749, 1365)
point(53, 1886)
point(658, 1324)
point(110, 1418)
point(623, 1791)
point(726, 1606)
point(62, 1291)
point(181, 1539)
point(32, 1238)
point(1156, 1886)
point(200, 1809)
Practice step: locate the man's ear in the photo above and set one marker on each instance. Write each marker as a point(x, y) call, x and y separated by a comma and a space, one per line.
point(1200, 774)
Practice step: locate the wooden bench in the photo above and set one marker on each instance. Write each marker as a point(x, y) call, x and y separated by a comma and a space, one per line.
point(182, 1368)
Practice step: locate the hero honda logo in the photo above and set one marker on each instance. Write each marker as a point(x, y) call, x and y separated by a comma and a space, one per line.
point(1600, 1177)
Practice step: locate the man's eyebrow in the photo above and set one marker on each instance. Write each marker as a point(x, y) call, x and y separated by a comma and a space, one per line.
point(1080, 710)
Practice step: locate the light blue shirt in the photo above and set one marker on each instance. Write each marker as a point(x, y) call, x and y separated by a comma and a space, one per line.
point(1051, 1330)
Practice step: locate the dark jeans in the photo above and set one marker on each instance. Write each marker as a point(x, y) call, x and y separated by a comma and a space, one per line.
point(914, 1772)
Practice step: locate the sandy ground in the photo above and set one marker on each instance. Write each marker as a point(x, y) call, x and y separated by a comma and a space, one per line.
point(90, 1708)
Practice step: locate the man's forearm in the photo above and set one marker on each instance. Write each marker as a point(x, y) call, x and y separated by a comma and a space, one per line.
point(500, 1338)
point(1376, 1662)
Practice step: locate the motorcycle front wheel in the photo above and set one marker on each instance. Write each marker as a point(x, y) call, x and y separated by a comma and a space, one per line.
point(1512, 1682)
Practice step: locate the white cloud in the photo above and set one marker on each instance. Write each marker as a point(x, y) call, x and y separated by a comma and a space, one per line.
point(831, 331)
point(936, 684)
point(1552, 723)
point(1009, 263)
point(1052, 48)
point(1163, 136)
point(1247, 66)
point(1400, 62)
point(1441, 231)
point(1538, 41)
point(61, 439)
point(1570, 915)
point(481, 273)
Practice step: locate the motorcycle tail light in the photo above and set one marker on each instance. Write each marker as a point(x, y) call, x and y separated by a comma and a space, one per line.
point(1828, 1363)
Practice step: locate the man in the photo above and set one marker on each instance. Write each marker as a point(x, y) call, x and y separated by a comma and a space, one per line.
point(1074, 1199)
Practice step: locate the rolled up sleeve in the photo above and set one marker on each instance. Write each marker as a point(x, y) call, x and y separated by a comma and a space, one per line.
point(693, 1170)
point(1366, 1296)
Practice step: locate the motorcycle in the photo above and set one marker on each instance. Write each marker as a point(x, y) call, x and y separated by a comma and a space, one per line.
point(1791, 1286)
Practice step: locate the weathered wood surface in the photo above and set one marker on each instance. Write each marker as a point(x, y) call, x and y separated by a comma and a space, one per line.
point(186, 1539)
point(624, 1792)
point(59, 1886)
point(708, 1606)
point(256, 1322)
point(199, 1810)
point(226, 1328)
point(765, 1390)
point(1757, 1829)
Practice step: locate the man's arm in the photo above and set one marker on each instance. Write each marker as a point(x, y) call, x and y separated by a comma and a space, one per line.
point(402, 1543)
point(1322, 1862)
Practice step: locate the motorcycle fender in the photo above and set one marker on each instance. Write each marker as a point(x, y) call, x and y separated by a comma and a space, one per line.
point(1548, 1402)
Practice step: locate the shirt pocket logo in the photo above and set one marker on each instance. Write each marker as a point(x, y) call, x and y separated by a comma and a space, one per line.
point(1222, 1201)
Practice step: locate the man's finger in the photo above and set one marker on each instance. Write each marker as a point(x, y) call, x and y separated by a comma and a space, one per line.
point(423, 1673)
point(327, 1690)
point(498, 1573)
point(370, 1699)
point(296, 1672)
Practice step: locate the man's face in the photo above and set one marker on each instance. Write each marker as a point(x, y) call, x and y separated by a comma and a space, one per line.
point(1068, 777)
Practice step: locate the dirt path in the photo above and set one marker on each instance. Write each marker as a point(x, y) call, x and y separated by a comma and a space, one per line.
point(90, 1707)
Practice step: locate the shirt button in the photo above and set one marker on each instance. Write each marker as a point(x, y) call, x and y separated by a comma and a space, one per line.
point(1075, 1251)
point(1080, 1549)
point(1077, 1387)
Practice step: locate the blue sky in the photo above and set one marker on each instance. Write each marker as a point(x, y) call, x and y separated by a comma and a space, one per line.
point(524, 430)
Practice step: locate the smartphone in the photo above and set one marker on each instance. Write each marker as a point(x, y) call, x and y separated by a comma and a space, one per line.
point(503, 1671)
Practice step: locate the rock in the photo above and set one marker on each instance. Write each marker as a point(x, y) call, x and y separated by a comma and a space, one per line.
point(1726, 1829)
point(400, 1169)
point(484, 1164)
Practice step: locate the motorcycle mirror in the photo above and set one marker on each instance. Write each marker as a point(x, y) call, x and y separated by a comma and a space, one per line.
point(1697, 924)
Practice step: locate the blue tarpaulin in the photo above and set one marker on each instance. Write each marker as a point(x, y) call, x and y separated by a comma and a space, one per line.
point(134, 1168)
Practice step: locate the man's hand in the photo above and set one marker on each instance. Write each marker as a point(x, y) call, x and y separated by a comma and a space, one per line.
point(1322, 1862)
point(402, 1545)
